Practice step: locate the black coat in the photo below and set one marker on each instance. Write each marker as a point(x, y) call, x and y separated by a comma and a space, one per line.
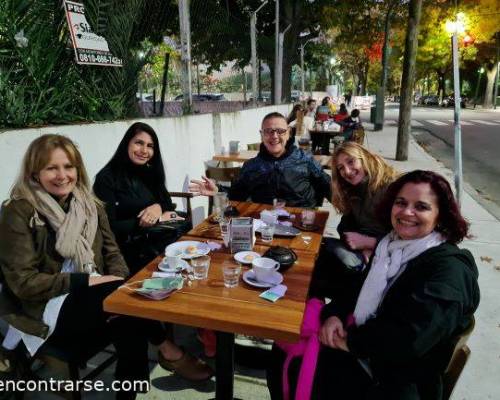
point(125, 194)
point(295, 177)
point(410, 341)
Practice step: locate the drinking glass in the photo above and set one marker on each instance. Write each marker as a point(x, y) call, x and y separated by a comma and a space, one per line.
point(225, 230)
point(267, 233)
point(231, 273)
point(308, 217)
point(220, 204)
point(279, 203)
point(200, 267)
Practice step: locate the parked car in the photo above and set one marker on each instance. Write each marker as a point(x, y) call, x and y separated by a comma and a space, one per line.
point(146, 97)
point(449, 101)
point(203, 97)
point(432, 100)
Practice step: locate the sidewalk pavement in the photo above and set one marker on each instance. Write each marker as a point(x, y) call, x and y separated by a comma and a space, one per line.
point(480, 379)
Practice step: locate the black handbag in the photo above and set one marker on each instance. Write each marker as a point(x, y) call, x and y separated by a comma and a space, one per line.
point(147, 243)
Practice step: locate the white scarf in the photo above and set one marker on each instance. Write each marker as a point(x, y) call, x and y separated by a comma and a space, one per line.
point(391, 256)
point(75, 230)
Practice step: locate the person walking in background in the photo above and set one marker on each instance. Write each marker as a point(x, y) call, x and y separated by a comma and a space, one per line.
point(347, 98)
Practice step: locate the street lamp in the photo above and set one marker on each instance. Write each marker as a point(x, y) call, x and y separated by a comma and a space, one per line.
point(456, 27)
point(253, 42)
point(302, 75)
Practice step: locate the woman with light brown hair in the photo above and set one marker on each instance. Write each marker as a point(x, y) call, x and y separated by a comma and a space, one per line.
point(59, 261)
point(359, 180)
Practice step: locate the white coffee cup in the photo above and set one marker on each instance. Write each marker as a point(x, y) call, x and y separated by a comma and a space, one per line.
point(264, 268)
point(172, 258)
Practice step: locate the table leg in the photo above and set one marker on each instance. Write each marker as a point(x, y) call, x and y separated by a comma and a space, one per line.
point(326, 145)
point(224, 374)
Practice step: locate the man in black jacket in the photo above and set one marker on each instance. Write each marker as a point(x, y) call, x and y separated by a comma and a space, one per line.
point(280, 170)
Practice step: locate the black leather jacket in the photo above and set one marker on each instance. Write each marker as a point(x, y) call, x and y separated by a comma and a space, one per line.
point(295, 177)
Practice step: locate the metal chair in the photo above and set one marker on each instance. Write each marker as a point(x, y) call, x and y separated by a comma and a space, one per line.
point(457, 362)
point(253, 146)
point(220, 174)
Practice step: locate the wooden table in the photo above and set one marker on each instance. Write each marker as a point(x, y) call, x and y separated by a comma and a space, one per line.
point(323, 137)
point(309, 241)
point(246, 155)
point(208, 304)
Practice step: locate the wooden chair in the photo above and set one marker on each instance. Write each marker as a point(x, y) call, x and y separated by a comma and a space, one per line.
point(188, 196)
point(220, 174)
point(60, 362)
point(457, 362)
point(70, 367)
point(253, 146)
point(358, 135)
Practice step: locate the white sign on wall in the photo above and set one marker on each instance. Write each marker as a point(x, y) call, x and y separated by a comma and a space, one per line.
point(90, 49)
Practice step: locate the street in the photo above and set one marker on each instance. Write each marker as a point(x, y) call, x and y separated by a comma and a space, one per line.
point(433, 128)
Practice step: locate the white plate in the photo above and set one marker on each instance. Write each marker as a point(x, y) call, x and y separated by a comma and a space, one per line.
point(240, 257)
point(249, 277)
point(201, 249)
point(183, 265)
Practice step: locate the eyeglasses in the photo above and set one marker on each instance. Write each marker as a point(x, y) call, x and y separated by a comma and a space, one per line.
point(271, 131)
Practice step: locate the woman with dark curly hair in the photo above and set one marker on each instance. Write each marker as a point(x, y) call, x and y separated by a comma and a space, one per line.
point(419, 296)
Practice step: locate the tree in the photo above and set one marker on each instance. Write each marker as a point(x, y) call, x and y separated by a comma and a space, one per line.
point(40, 82)
point(221, 32)
point(411, 44)
point(434, 53)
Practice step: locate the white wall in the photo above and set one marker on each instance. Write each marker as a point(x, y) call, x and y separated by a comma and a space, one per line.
point(185, 142)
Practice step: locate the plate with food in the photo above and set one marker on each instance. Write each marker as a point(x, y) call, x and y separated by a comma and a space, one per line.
point(188, 249)
point(246, 257)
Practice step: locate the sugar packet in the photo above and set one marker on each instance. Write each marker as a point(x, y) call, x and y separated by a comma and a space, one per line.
point(274, 293)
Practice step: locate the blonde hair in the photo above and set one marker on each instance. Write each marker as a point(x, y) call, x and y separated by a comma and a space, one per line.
point(379, 174)
point(38, 156)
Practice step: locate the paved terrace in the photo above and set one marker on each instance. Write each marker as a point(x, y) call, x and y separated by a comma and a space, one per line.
point(480, 377)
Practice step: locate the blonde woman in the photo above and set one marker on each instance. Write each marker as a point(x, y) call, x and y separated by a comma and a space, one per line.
point(59, 260)
point(359, 180)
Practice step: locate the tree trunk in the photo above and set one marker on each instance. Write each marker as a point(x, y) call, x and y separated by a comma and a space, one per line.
point(490, 84)
point(411, 45)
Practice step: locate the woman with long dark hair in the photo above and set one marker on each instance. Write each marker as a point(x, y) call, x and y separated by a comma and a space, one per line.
point(132, 186)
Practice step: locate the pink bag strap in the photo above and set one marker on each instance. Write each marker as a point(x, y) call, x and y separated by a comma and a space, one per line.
point(308, 347)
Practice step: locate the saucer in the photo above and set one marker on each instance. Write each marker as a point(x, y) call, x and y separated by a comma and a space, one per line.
point(183, 265)
point(188, 249)
point(246, 257)
point(249, 277)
